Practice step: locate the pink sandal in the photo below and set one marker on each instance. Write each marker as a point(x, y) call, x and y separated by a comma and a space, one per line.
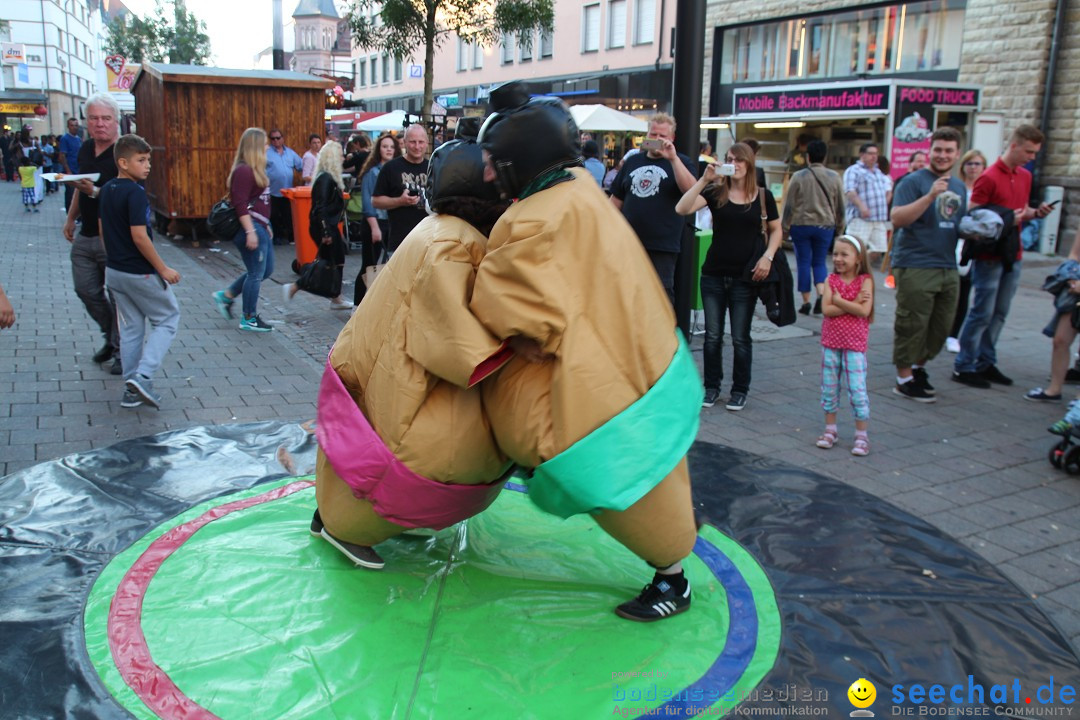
point(862, 447)
point(827, 440)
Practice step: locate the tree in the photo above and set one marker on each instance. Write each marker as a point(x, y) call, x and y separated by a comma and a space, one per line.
point(156, 39)
point(405, 25)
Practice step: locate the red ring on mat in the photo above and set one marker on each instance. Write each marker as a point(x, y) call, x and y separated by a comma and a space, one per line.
point(126, 639)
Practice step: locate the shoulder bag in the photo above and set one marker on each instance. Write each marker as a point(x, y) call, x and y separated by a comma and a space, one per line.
point(222, 221)
point(778, 291)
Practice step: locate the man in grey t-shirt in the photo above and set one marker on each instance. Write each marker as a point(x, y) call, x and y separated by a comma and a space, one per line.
point(927, 207)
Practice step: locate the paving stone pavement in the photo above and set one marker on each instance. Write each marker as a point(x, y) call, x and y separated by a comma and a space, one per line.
point(974, 464)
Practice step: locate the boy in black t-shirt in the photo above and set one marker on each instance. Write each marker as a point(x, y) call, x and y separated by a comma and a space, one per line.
point(135, 274)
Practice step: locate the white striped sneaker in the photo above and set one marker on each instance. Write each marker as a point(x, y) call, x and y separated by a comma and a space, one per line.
point(658, 600)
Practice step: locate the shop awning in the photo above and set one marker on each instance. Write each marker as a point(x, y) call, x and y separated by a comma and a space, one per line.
point(601, 118)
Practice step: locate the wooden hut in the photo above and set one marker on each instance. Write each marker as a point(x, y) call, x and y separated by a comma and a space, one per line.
point(193, 117)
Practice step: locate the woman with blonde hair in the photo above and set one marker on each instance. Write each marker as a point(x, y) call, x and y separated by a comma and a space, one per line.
point(972, 166)
point(327, 212)
point(250, 195)
point(377, 224)
point(739, 259)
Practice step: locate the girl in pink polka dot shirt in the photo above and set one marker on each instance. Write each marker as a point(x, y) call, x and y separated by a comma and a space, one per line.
point(848, 307)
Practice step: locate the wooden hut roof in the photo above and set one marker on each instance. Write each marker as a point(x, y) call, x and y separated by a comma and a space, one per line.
point(200, 74)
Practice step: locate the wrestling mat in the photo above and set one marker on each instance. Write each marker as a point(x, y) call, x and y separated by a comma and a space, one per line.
point(174, 577)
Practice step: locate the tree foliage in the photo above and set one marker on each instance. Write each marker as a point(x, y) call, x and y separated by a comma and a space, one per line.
point(173, 34)
point(401, 27)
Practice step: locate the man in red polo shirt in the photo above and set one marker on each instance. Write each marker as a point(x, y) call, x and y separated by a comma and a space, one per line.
point(1007, 184)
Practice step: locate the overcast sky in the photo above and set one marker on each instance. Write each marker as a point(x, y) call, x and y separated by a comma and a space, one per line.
point(238, 29)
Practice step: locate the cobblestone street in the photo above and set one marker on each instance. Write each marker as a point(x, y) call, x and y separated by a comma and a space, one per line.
point(974, 464)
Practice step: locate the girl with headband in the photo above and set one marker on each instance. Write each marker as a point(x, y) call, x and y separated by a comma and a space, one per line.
point(848, 307)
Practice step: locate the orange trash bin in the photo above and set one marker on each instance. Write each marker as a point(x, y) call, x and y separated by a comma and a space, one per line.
point(300, 205)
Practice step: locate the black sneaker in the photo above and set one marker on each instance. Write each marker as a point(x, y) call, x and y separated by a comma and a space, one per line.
point(117, 368)
point(972, 379)
point(992, 374)
point(316, 524)
point(913, 391)
point(105, 353)
point(361, 555)
point(658, 600)
point(923, 379)
point(737, 401)
point(1072, 376)
point(254, 323)
point(805, 309)
point(817, 306)
point(711, 396)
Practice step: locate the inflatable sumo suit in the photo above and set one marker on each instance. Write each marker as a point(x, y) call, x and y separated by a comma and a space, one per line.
point(606, 425)
point(403, 440)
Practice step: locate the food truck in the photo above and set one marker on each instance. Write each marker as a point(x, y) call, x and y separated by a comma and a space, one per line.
point(898, 114)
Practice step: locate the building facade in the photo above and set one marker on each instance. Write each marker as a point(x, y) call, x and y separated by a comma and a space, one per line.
point(52, 50)
point(949, 48)
point(614, 52)
point(321, 40)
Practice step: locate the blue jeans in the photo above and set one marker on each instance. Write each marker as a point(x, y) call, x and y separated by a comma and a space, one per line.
point(721, 296)
point(811, 245)
point(260, 265)
point(993, 291)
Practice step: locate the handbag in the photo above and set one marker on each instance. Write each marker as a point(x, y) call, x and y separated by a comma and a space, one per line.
point(322, 278)
point(222, 220)
point(777, 291)
point(372, 271)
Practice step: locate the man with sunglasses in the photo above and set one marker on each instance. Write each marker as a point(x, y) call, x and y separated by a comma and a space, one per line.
point(281, 162)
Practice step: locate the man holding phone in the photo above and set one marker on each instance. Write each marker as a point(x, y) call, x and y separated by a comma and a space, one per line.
point(646, 190)
point(1007, 184)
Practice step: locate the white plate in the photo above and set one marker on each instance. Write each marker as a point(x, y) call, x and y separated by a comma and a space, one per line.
point(61, 177)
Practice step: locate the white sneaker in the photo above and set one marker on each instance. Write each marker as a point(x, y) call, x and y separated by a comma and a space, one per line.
point(952, 345)
point(286, 292)
point(340, 303)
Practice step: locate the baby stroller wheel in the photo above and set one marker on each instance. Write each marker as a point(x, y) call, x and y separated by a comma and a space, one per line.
point(1072, 460)
point(1057, 454)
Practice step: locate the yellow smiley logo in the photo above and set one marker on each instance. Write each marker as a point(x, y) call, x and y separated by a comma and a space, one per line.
point(862, 693)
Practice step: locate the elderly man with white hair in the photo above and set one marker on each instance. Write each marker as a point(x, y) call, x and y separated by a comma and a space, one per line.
point(87, 250)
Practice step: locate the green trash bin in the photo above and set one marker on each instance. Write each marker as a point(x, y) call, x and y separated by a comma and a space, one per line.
point(704, 240)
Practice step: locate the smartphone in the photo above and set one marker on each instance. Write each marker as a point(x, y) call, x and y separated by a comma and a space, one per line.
point(651, 145)
point(727, 169)
point(1053, 204)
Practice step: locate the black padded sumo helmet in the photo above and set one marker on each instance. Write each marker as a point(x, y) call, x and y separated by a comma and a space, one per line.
point(527, 137)
point(456, 169)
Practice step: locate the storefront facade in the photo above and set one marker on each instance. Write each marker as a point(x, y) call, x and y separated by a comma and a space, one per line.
point(981, 65)
point(897, 115)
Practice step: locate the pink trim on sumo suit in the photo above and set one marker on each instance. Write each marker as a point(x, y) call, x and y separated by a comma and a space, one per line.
point(360, 458)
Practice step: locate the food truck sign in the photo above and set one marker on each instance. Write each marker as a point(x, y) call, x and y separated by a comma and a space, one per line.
point(913, 118)
point(813, 100)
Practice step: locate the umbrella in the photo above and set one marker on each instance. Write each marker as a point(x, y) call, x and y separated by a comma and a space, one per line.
point(394, 120)
point(602, 118)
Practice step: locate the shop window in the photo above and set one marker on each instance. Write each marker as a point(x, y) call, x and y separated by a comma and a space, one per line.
point(616, 35)
point(906, 37)
point(547, 45)
point(644, 21)
point(590, 28)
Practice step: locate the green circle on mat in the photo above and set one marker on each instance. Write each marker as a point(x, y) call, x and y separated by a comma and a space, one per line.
point(506, 615)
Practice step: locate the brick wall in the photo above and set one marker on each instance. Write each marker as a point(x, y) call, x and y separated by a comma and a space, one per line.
point(1006, 46)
